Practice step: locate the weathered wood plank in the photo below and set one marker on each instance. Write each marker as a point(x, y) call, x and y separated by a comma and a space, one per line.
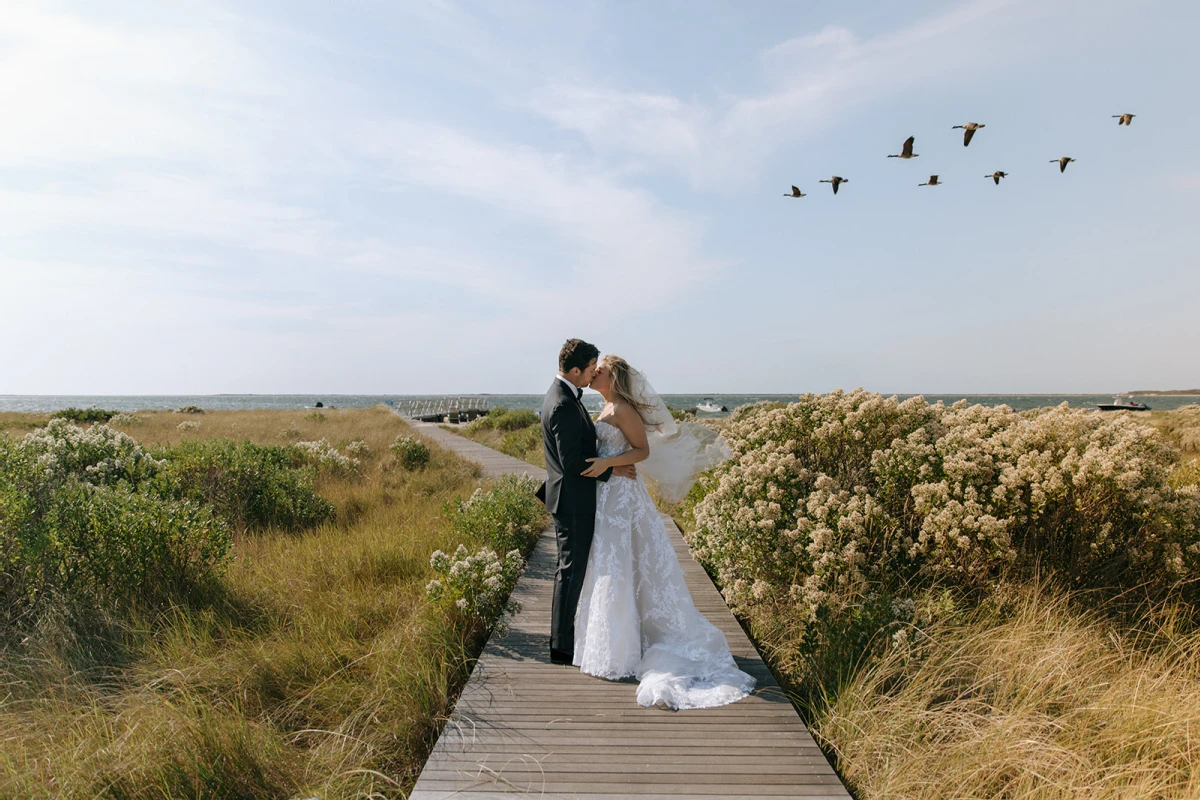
point(523, 725)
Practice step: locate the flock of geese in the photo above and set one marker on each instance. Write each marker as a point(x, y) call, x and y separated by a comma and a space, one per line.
point(906, 151)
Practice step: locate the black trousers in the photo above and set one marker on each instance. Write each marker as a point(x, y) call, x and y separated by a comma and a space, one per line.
point(573, 534)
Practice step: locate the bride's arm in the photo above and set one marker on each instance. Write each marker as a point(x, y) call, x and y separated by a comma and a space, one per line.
point(630, 423)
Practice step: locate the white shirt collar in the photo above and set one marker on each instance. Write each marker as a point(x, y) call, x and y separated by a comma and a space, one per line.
point(572, 386)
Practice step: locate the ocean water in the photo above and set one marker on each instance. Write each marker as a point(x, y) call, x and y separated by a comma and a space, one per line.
point(218, 402)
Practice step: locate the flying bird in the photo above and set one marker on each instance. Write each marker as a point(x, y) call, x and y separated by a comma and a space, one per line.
point(836, 181)
point(1062, 162)
point(969, 131)
point(906, 151)
point(933, 181)
point(996, 176)
point(796, 192)
point(1124, 119)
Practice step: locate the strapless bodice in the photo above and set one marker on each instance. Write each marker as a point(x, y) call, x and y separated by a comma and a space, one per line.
point(612, 441)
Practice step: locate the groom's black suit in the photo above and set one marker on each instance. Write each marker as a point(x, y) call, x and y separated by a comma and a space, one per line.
point(570, 439)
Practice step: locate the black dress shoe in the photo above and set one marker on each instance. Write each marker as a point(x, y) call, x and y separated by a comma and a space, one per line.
point(561, 657)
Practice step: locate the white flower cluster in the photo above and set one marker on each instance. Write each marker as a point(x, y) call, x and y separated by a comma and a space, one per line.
point(833, 493)
point(98, 455)
point(125, 418)
point(478, 585)
point(190, 426)
point(358, 449)
point(324, 456)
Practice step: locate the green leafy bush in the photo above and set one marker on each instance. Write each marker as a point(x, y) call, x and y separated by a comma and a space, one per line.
point(189, 410)
point(506, 514)
point(110, 545)
point(83, 414)
point(520, 443)
point(81, 523)
point(250, 485)
point(503, 419)
point(412, 454)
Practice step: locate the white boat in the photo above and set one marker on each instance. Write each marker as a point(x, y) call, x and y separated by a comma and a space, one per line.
point(710, 406)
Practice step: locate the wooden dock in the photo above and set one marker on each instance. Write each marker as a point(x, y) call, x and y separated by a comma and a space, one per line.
point(524, 726)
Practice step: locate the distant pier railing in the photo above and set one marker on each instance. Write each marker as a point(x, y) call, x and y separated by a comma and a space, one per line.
point(445, 409)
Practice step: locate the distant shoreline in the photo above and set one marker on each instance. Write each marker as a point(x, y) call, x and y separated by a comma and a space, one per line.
point(1174, 393)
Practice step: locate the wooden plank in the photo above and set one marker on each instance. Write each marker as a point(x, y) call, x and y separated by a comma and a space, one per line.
point(523, 725)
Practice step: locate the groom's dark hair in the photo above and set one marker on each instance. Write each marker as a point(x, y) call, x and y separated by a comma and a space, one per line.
point(576, 353)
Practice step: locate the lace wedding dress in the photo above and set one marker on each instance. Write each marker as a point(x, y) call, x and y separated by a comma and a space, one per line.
point(635, 616)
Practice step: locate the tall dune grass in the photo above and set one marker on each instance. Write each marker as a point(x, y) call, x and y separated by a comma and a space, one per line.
point(315, 667)
point(1028, 697)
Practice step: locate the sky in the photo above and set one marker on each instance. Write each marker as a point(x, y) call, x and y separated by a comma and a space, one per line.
point(430, 196)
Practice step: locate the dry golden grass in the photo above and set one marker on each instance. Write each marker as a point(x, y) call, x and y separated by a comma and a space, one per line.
point(1029, 698)
point(16, 423)
point(316, 669)
point(1181, 427)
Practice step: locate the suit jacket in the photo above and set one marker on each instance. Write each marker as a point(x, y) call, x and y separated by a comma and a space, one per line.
point(570, 439)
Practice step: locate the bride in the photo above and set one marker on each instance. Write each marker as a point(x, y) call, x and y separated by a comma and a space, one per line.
point(635, 615)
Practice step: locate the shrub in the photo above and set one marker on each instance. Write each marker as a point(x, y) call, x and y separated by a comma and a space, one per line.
point(506, 514)
point(291, 433)
point(503, 419)
point(80, 521)
point(521, 443)
point(315, 416)
point(98, 455)
point(83, 414)
point(682, 414)
point(125, 418)
point(836, 499)
point(189, 426)
point(112, 545)
point(324, 457)
point(189, 410)
point(252, 486)
point(358, 449)
point(411, 454)
point(477, 586)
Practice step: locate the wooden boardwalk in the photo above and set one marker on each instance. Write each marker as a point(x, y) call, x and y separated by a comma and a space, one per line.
point(526, 726)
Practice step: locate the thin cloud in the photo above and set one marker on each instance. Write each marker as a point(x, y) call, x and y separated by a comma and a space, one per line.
point(813, 78)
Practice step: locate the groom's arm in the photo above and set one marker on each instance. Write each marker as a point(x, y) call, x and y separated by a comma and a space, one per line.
point(567, 427)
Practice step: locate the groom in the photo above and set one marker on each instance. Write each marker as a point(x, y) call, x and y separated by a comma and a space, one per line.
point(570, 439)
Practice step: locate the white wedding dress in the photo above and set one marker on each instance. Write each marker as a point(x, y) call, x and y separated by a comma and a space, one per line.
point(635, 616)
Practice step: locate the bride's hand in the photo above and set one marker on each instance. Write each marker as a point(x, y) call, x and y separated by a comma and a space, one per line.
point(596, 469)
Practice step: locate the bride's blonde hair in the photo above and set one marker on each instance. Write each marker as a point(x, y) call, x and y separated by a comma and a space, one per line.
point(622, 385)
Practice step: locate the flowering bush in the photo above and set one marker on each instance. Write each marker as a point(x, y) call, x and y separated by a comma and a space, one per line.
point(98, 455)
point(125, 418)
point(506, 514)
point(358, 449)
point(189, 426)
point(478, 585)
point(411, 454)
point(81, 521)
point(325, 458)
point(834, 499)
